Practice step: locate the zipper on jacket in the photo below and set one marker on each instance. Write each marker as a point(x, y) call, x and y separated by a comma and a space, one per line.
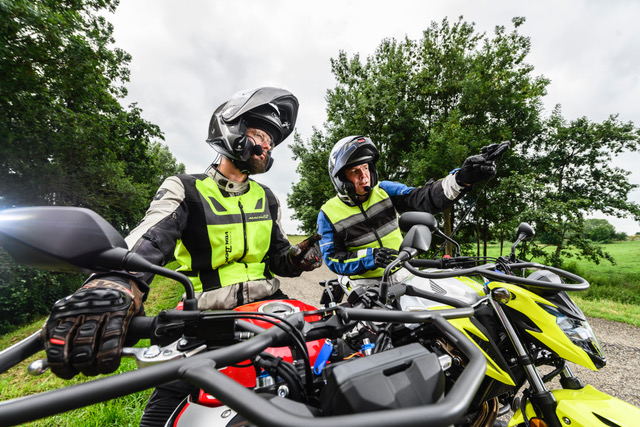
point(244, 230)
point(366, 218)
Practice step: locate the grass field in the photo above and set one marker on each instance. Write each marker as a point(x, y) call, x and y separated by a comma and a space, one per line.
point(611, 284)
point(621, 282)
point(125, 411)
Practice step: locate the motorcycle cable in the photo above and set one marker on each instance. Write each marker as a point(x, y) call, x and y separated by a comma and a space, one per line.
point(292, 330)
point(278, 367)
point(526, 394)
point(289, 329)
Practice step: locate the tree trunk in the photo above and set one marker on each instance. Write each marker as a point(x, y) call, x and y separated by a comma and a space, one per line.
point(448, 229)
point(485, 238)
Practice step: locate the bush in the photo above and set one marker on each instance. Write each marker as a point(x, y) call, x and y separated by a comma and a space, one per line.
point(26, 293)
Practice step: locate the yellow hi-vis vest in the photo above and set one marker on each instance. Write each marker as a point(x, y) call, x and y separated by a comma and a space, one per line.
point(352, 224)
point(227, 238)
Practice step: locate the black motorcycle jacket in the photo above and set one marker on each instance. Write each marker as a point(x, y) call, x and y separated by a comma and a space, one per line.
point(172, 216)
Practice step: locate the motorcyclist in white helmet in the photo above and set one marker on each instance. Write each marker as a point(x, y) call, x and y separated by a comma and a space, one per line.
point(359, 226)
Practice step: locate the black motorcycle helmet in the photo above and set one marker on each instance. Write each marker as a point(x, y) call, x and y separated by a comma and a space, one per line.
point(352, 151)
point(270, 109)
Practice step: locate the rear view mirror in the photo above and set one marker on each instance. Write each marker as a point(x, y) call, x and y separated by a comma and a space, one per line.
point(65, 239)
point(525, 232)
point(418, 237)
point(409, 219)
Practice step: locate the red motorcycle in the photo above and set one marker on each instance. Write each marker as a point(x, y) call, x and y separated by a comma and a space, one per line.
point(273, 363)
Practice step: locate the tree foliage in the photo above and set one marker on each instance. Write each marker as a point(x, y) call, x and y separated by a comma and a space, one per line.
point(573, 176)
point(64, 137)
point(427, 104)
point(602, 231)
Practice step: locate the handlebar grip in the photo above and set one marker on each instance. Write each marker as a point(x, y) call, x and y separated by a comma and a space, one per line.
point(396, 291)
point(427, 263)
point(141, 327)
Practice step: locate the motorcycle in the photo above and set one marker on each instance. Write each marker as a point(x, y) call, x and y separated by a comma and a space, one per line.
point(277, 363)
point(524, 323)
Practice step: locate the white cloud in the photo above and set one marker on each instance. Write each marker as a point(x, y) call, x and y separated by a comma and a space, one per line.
point(190, 56)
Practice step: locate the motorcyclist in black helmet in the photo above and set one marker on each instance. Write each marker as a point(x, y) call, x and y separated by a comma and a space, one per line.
point(359, 227)
point(201, 219)
point(270, 110)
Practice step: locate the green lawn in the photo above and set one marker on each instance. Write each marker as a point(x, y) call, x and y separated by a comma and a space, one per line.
point(614, 293)
point(125, 411)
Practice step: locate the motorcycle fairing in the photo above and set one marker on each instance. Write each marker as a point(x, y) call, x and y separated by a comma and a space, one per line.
point(549, 334)
point(587, 407)
point(494, 371)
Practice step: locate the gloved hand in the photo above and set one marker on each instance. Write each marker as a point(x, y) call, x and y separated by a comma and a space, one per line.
point(482, 166)
point(383, 256)
point(85, 331)
point(306, 255)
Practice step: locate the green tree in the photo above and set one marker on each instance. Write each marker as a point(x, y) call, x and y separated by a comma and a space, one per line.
point(427, 105)
point(599, 230)
point(570, 164)
point(64, 137)
point(315, 188)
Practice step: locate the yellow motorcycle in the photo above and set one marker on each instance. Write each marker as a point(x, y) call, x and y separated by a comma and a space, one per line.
point(526, 325)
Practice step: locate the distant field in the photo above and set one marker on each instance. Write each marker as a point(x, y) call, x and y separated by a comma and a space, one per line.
point(626, 255)
point(614, 293)
point(295, 239)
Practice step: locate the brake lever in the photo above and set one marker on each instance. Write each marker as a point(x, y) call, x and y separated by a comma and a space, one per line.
point(147, 356)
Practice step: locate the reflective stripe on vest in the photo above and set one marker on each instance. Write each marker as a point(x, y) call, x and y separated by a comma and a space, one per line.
point(357, 229)
point(236, 232)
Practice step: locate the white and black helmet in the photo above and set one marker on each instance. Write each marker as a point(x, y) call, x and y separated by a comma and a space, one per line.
point(270, 109)
point(352, 151)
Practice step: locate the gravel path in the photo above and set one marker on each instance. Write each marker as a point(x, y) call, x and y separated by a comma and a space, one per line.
point(621, 342)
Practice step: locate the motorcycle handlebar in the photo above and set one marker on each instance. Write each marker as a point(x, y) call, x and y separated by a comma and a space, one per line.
point(488, 270)
point(427, 263)
point(580, 285)
point(18, 352)
point(141, 327)
point(201, 370)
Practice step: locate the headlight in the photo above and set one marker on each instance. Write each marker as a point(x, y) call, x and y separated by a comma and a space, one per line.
point(580, 333)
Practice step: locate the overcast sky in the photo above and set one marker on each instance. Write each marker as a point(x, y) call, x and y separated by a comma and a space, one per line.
point(189, 56)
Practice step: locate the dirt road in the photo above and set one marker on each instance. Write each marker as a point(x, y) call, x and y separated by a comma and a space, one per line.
point(621, 343)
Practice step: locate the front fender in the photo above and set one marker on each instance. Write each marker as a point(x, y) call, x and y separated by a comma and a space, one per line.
point(587, 407)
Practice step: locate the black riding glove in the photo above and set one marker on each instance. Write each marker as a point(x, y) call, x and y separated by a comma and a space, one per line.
point(383, 256)
point(306, 255)
point(85, 331)
point(482, 166)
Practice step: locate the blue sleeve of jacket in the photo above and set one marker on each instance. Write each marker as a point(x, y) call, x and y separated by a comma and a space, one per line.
point(335, 255)
point(395, 188)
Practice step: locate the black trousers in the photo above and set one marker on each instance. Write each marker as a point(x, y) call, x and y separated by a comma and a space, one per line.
point(165, 399)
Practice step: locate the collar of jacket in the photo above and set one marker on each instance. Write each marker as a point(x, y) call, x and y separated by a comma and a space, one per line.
point(233, 188)
point(351, 202)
